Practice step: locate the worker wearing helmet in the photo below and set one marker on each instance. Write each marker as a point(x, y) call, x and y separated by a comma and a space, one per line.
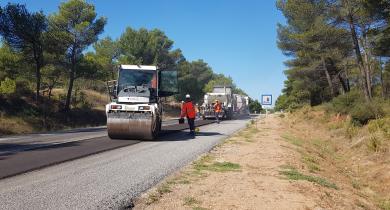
point(188, 110)
point(197, 111)
point(217, 110)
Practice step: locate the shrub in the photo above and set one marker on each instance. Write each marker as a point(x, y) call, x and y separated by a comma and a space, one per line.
point(343, 103)
point(79, 100)
point(380, 125)
point(7, 86)
point(350, 130)
point(22, 87)
point(361, 113)
point(374, 143)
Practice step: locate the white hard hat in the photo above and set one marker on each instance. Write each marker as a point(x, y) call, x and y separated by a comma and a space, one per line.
point(188, 96)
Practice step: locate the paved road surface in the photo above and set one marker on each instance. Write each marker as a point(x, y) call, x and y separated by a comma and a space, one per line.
point(17, 157)
point(110, 179)
point(32, 141)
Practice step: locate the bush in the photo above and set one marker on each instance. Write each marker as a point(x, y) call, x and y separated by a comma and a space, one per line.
point(7, 86)
point(350, 130)
point(374, 143)
point(355, 105)
point(82, 102)
point(22, 87)
point(361, 113)
point(343, 103)
point(380, 125)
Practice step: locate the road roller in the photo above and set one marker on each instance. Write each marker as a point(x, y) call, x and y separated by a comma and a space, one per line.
point(135, 110)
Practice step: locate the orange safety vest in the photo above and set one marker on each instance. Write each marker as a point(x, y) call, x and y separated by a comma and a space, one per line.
point(188, 110)
point(154, 81)
point(217, 107)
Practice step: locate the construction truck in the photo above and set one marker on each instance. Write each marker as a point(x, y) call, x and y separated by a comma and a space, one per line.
point(225, 96)
point(241, 106)
point(135, 110)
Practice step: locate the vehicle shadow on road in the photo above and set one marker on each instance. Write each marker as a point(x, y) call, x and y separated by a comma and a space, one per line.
point(184, 136)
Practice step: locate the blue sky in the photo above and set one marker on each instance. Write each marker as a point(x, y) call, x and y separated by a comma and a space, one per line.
point(237, 38)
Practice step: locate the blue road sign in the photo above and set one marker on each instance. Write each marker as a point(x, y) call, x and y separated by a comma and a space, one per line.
point(266, 99)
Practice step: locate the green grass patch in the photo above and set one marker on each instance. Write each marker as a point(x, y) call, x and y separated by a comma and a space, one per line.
point(161, 190)
point(152, 198)
point(199, 208)
point(374, 143)
point(326, 149)
point(323, 146)
point(294, 174)
point(336, 125)
point(384, 204)
point(293, 140)
point(164, 188)
point(206, 163)
point(184, 181)
point(217, 167)
point(189, 201)
point(311, 163)
point(287, 167)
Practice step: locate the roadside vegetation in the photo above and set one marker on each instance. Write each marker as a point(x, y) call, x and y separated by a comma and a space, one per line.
point(332, 145)
point(339, 53)
point(198, 170)
point(293, 174)
point(290, 156)
point(49, 77)
point(337, 91)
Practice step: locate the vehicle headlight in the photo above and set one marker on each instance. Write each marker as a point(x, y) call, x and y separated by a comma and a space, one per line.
point(116, 107)
point(143, 108)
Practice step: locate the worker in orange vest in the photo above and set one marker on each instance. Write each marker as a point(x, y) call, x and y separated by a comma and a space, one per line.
point(154, 81)
point(217, 110)
point(188, 110)
point(197, 111)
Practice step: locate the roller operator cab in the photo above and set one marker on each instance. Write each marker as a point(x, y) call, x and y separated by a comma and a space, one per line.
point(135, 111)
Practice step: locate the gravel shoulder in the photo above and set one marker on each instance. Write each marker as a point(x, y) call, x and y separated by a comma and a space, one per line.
point(257, 168)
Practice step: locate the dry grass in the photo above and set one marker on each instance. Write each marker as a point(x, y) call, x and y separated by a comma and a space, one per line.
point(356, 156)
point(14, 125)
point(21, 115)
point(98, 100)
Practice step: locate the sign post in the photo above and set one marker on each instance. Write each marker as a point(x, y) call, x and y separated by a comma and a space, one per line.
point(266, 102)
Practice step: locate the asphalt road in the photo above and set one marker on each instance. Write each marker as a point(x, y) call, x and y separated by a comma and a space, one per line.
point(109, 179)
point(18, 143)
point(20, 155)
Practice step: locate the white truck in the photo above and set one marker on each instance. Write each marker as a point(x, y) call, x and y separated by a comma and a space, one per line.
point(241, 105)
point(225, 96)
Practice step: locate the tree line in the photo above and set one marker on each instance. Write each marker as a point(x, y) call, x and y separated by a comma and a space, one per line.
point(53, 51)
point(334, 47)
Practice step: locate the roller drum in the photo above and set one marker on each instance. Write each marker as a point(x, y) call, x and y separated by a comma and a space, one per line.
point(125, 125)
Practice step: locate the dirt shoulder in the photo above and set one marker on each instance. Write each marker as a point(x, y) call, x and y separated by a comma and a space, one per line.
point(257, 168)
